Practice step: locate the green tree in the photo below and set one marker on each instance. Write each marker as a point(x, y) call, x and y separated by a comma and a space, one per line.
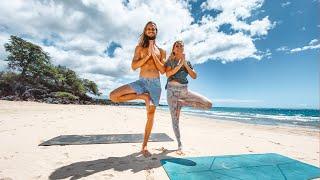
point(27, 58)
point(35, 67)
point(91, 87)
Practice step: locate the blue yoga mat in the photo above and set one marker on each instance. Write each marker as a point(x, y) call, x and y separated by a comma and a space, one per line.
point(239, 167)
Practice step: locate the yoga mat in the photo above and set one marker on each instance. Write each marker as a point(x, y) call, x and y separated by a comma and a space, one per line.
point(104, 139)
point(268, 166)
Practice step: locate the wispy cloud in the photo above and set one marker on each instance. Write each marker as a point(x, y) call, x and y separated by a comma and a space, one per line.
point(283, 48)
point(285, 4)
point(313, 44)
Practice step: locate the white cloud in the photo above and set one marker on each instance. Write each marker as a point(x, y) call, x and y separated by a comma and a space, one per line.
point(105, 83)
point(3, 39)
point(305, 48)
point(267, 54)
point(285, 4)
point(235, 12)
point(282, 48)
point(256, 28)
point(76, 34)
point(223, 47)
point(237, 8)
point(313, 44)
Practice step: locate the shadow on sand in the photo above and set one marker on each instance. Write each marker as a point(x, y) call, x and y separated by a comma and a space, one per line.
point(135, 162)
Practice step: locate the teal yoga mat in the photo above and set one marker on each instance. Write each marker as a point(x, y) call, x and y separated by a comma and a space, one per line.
point(269, 166)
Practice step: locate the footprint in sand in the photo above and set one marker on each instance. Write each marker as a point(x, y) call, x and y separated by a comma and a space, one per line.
point(248, 149)
point(300, 158)
point(43, 147)
point(59, 163)
point(37, 177)
point(149, 174)
point(6, 178)
point(162, 149)
point(108, 175)
point(277, 143)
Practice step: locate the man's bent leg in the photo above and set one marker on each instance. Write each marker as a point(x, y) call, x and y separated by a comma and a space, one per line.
point(150, 115)
point(126, 93)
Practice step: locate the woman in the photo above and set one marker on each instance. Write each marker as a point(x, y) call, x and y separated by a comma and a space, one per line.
point(178, 94)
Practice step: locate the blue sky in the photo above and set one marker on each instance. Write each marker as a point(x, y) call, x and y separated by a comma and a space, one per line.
point(248, 53)
point(289, 80)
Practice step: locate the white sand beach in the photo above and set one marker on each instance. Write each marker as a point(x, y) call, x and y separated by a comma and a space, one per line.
point(24, 125)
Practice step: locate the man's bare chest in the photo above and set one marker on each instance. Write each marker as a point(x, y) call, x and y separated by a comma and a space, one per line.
point(144, 52)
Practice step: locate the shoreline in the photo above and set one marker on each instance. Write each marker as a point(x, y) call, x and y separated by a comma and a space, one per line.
point(272, 122)
point(24, 125)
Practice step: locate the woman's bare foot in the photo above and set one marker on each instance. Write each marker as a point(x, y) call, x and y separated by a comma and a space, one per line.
point(145, 152)
point(180, 153)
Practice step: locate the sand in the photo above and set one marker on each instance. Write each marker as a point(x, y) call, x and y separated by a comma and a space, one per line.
point(24, 125)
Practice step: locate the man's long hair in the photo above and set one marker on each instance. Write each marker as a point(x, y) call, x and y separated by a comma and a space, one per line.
point(144, 39)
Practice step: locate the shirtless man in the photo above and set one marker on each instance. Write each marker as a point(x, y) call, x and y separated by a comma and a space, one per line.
point(150, 59)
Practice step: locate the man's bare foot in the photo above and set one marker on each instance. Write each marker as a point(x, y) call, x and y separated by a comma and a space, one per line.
point(145, 152)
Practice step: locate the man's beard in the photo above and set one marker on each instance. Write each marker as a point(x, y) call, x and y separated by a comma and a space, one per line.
point(150, 38)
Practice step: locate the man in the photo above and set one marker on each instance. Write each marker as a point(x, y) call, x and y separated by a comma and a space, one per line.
point(150, 59)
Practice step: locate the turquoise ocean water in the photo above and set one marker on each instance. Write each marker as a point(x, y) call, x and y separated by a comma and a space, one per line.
point(267, 116)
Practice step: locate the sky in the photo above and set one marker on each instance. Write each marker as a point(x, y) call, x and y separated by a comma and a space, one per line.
point(247, 53)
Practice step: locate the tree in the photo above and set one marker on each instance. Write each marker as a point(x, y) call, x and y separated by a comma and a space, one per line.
point(27, 58)
point(36, 70)
point(91, 87)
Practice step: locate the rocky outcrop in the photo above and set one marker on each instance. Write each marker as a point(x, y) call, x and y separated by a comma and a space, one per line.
point(22, 92)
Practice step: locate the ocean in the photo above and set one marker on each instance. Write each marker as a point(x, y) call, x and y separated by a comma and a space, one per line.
point(266, 116)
